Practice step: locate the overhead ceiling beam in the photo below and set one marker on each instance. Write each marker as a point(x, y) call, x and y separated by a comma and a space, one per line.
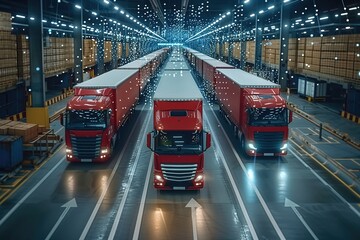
point(158, 10)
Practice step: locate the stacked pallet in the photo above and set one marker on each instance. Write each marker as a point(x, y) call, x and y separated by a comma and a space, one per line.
point(28, 131)
point(250, 51)
point(107, 51)
point(8, 54)
point(271, 52)
point(58, 55)
point(292, 58)
point(300, 55)
point(89, 52)
point(23, 55)
point(312, 54)
point(236, 50)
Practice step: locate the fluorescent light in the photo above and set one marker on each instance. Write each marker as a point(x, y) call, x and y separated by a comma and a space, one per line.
point(106, 1)
point(344, 14)
point(94, 13)
point(20, 16)
point(285, 1)
point(252, 15)
point(32, 18)
point(122, 12)
point(271, 7)
point(261, 11)
point(246, 1)
point(78, 6)
point(323, 18)
point(44, 21)
point(353, 8)
point(116, 8)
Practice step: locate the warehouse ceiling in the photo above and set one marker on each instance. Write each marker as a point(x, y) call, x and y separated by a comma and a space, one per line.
point(181, 20)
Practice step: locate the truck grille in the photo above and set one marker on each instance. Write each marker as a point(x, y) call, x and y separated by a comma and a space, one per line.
point(86, 147)
point(268, 142)
point(179, 172)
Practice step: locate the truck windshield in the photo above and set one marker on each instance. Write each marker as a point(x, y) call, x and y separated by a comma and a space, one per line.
point(86, 119)
point(178, 142)
point(268, 116)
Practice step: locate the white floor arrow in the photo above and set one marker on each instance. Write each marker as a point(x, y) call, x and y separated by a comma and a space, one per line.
point(67, 206)
point(293, 206)
point(193, 205)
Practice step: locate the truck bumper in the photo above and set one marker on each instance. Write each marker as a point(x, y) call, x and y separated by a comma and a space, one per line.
point(162, 184)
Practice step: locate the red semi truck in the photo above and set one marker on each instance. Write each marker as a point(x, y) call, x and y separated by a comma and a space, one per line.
point(96, 112)
point(178, 139)
point(258, 112)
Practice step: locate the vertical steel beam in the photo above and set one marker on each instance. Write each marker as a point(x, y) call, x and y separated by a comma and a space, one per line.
point(78, 43)
point(284, 45)
point(242, 48)
point(37, 78)
point(258, 42)
point(100, 50)
point(114, 49)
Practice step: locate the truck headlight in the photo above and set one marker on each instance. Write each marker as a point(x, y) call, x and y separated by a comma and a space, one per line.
point(68, 150)
point(251, 146)
point(104, 151)
point(199, 178)
point(284, 146)
point(159, 178)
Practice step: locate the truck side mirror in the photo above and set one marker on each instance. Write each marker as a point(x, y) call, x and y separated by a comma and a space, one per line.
point(207, 140)
point(290, 116)
point(62, 119)
point(150, 140)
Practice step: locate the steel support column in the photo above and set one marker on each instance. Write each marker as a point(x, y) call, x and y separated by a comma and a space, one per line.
point(37, 79)
point(258, 42)
point(284, 45)
point(242, 48)
point(78, 43)
point(100, 50)
point(114, 50)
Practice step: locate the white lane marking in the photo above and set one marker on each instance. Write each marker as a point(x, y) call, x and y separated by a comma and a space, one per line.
point(102, 196)
point(233, 184)
point(142, 203)
point(18, 204)
point(193, 205)
point(59, 130)
point(67, 206)
point(132, 173)
point(325, 183)
point(293, 206)
point(261, 199)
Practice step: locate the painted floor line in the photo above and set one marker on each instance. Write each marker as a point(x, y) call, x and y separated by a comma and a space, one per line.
point(233, 184)
point(261, 199)
point(142, 203)
point(132, 173)
point(325, 183)
point(18, 204)
point(102, 196)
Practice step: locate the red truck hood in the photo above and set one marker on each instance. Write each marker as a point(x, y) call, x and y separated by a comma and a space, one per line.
point(89, 102)
point(266, 101)
point(171, 123)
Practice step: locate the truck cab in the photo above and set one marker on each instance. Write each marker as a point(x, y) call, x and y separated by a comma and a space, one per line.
point(89, 124)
